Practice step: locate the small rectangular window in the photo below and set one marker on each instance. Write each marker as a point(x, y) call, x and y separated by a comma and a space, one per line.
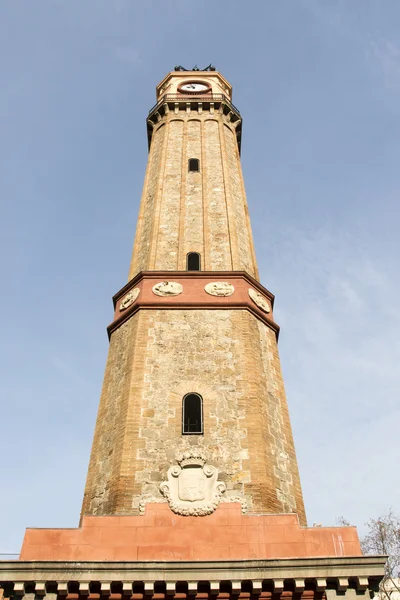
point(193, 261)
point(194, 164)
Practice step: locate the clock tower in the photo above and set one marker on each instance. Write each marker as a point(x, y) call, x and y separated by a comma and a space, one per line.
point(193, 336)
point(193, 490)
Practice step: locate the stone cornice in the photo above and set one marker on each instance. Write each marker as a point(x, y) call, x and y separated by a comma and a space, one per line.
point(359, 572)
point(186, 106)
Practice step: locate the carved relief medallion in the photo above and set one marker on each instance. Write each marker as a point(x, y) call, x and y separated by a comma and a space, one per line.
point(129, 299)
point(259, 300)
point(193, 487)
point(219, 288)
point(167, 288)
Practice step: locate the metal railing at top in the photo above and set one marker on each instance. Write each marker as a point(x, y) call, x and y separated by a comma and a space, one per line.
point(204, 98)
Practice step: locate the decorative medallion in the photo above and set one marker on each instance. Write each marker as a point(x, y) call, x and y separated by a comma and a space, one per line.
point(129, 299)
point(259, 300)
point(192, 487)
point(167, 288)
point(219, 288)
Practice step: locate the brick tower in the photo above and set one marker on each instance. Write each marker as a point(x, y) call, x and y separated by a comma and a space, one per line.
point(193, 489)
point(193, 320)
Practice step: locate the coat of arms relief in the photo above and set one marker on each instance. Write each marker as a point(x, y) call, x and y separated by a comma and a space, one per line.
point(192, 487)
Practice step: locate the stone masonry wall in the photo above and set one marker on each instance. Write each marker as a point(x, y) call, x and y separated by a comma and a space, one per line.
point(228, 357)
point(145, 224)
point(243, 235)
point(167, 234)
point(104, 475)
point(182, 211)
point(218, 242)
point(193, 225)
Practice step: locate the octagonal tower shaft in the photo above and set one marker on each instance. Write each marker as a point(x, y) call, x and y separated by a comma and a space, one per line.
point(192, 335)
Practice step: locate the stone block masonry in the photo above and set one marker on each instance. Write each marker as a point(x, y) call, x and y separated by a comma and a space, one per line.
point(228, 357)
point(204, 211)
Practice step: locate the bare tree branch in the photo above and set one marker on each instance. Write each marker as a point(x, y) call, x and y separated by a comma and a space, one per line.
point(383, 537)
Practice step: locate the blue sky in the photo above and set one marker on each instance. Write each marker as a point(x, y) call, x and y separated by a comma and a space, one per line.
point(318, 85)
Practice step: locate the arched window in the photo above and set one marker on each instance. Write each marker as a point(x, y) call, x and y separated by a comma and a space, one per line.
point(194, 164)
point(192, 414)
point(193, 261)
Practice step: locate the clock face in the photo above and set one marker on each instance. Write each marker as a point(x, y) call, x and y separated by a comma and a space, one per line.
point(194, 87)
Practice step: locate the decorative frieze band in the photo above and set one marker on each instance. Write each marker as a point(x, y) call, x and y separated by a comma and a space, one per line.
point(193, 290)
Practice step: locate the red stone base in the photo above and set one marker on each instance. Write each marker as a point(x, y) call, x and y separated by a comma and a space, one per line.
point(162, 535)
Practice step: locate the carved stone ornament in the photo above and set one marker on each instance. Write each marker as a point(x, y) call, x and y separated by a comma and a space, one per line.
point(259, 300)
point(129, 299)
point(167, 288)
point(219, 288)
point(192, 488)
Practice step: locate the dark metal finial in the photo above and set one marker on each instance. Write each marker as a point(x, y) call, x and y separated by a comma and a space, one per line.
point(195, 68)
